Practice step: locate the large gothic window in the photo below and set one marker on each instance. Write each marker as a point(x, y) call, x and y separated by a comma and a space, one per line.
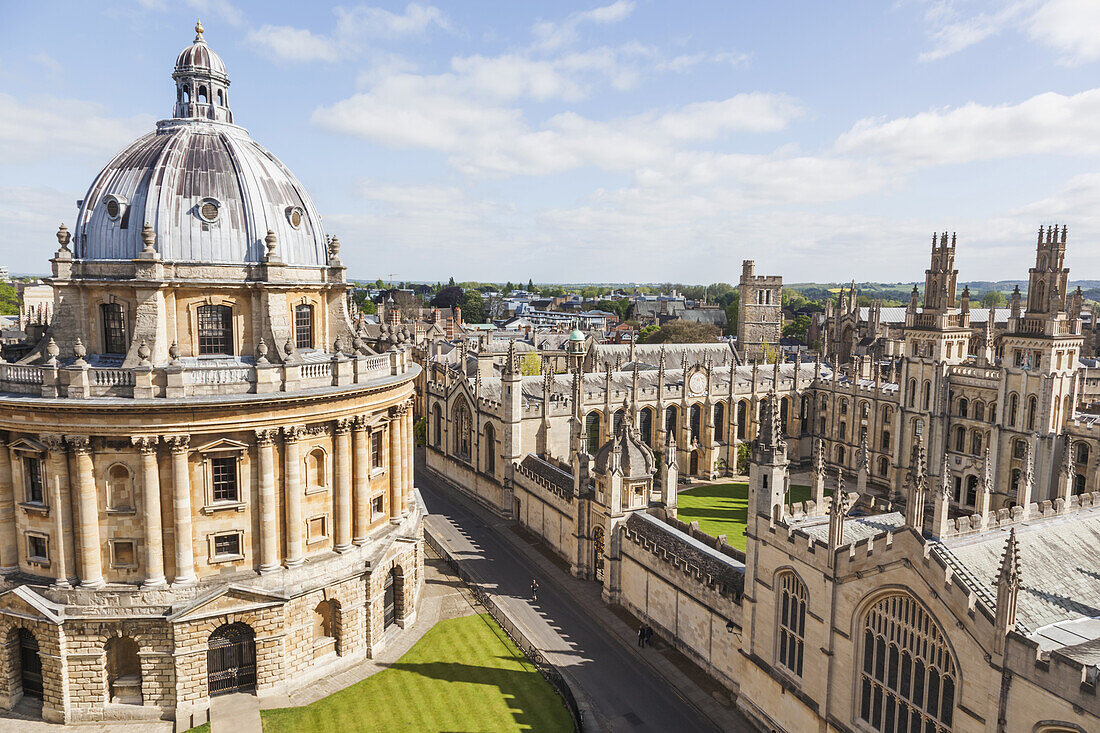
point(696, 423)
point(490, 449)
point(1013, 403)
point(792, 622)
point(592, 432)
point(1032, 409)
point(645, 425)
point(462, 424)
point(742, 418)
point(908, 674)
point(719, 422)
point(670, 419)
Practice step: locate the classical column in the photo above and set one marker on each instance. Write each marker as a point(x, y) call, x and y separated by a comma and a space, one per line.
point(150, 501)
point(362, 480)
point(91, 553)
point(292, 489)
point(181, 507)
point(395, 465)
point(9, 553)
point(57, 471)
point(343, 484)
point(269, 535)
point(407, 458)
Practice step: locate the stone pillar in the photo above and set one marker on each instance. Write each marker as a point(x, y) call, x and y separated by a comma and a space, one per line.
point(395, 465)
point(150, 501)
point(292, 489)
point(57, 471)
point(343, 484)
point(407, 448)
point(269, 527)
point(362, 480)
point(181, 508)
point(91, 552)
point(9, 534)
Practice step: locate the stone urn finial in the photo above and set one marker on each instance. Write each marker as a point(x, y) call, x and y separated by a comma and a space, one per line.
point(338, 344)
point(289, 346)
point(261, 352)
point(79, 351)
point(270, 240)
point(333, 247)
point(63, 236)
point(144, 352)
point(148, 237)
point(174, 352)
point(52, 350)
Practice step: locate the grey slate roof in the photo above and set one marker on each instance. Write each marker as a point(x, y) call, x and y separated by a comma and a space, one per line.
point(689, 553)
point(548, 472)
point(1059, 566)
point(855, 528)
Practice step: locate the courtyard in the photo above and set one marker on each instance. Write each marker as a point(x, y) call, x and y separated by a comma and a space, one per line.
point(723, 508)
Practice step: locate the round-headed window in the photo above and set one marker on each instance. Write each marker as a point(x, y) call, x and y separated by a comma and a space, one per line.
point(113, 209)
point(294, 216)
point(209, 209)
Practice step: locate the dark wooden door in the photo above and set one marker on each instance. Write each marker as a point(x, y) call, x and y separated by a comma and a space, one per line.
point(30, 664)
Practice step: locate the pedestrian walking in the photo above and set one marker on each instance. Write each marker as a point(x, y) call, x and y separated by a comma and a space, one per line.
point(648, 634)
point(534, 590)
point(641, 635)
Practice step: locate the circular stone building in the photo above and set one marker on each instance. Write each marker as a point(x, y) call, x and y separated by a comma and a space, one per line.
point(206, 477)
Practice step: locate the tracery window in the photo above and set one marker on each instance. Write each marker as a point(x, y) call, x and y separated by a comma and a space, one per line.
point(963, 405)
point(742, 418)
point(719, 421)
point(490, 449)
point(791, 634)
point(1032, 409)
point(463, 425)
point(645, 425)
point(670, 419)
point(696, 423)
point(618, 421)
point(1013, 403)
point(907, 681)
point(592, 432)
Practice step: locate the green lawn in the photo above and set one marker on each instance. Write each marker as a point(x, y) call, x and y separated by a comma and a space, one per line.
point(463, 675)
point(723, 508)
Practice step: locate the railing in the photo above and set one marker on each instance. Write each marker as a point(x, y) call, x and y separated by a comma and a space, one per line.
point(220, 375)
point(549, 672)
point(111, 377)
point(21, 374)
point(317, 370)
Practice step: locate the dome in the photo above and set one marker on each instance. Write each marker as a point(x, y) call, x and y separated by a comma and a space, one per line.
point(207, 189)
point(626, 454)
point(576, 335)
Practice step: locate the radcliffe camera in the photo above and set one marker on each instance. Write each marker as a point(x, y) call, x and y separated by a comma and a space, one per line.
point(416, 367)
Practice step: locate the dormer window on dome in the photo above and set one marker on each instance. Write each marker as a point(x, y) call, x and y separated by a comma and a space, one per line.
point(294, 215)
point(115, 206)
point(209, 210)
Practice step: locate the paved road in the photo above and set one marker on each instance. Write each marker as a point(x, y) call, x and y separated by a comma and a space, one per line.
point(627, 694)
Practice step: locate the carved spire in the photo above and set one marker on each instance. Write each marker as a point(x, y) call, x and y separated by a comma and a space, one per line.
point(917, 485)
point(863, 460)
point(819, 457)
point(1008, 590)
point(770, 435)
point(838, 509)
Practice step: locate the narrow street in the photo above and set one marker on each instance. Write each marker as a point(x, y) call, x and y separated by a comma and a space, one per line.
point(626, 692)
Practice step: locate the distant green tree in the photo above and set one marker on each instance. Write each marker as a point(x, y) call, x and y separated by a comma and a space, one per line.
point(9, 300)
point(473, 307)
point(530, 285)
point(993, 299)
point(530, 364)
point(379, 284)
point(796, 328)
point(420, 431)
point(451, 282)
point(684, 332)
point(742, 458)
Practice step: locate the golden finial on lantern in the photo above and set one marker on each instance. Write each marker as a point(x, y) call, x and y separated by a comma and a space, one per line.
point(198, 31)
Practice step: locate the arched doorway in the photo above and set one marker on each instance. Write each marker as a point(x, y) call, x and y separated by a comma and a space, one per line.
point(30, 664)
point(123, 671)
point(694, 463)
point(597, 549)
point(231, 659)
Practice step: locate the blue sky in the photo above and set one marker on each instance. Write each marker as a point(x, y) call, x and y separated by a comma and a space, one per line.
point(627, 140)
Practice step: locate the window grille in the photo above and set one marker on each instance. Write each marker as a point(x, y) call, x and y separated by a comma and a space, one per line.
point(303, 326)
point(224, 478)
point(114, 328)
point(215, 329)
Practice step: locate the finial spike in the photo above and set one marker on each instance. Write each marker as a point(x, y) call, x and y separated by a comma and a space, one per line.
point(198, 32)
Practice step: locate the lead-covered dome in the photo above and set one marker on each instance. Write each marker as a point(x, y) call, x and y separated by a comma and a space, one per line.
point(207, 189)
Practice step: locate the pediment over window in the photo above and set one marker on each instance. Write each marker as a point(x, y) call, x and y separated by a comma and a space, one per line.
point(27, 444)
point(226, 600)
point(223, 445)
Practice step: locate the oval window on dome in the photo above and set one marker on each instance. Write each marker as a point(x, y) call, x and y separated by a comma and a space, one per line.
point(115, 206)
point(209, 209)
point(294, 216)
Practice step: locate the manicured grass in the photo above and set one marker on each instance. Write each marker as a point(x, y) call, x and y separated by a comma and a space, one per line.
point(723, 508)
point(463, 675)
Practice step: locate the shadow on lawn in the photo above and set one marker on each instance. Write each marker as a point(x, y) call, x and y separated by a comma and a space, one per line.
point(522, 690)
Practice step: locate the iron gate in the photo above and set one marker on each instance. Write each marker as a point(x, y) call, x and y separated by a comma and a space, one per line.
point(30, 664)
point(597, 548)
point(390, 603)
point(231, 660)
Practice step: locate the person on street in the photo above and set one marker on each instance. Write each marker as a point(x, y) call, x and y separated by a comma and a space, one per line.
point(641, 635)
point(534, 590)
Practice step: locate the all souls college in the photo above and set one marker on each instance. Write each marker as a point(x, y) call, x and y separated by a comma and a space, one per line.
point(207, 484)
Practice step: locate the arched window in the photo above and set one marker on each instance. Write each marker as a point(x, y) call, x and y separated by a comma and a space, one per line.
point(617, 418)
point(963, 405)
point(918, 427)
point(1015, 480)
point(992, 412)
point(326, 617)
point(971, 490)
point(912, 392)
point(231, 659)
point(202, 95)
point(840, 454)
point(926, 395)
point(114, 328)
point(645, 425)
point(696, 423)
point(785, 414)
point(863, 409)
point(592, 432)
point(843, 407)
point(976, 443)
point(120, 493)
point(1013, 403)
point(1032, 412)
point(791, 634)
point(123, 671)
point(490, 449)
point(886, 440)
point(883, 466)
point(221, 98)
point(303, 326)
point(742, 419)
point(720, 421)
point(908, 673)
point(960, 439)
point(462, 425)
point(887, 413)
point(1019, 449)
point(215, 329)
point(670, 419)
point(979, 410)
point(316, 470)
point(1081, 457)
point(437, 426)
point(1067, 409)
point(824, 403)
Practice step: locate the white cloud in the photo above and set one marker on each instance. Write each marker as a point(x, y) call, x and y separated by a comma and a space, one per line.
point(1071, 27)
point(292, 44)
point(62, 128)
point(550, 35)
point(353, 26)
point(688, 61)
point(1049, 124)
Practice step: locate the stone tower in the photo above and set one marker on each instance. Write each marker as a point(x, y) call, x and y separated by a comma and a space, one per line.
point(759, 312)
